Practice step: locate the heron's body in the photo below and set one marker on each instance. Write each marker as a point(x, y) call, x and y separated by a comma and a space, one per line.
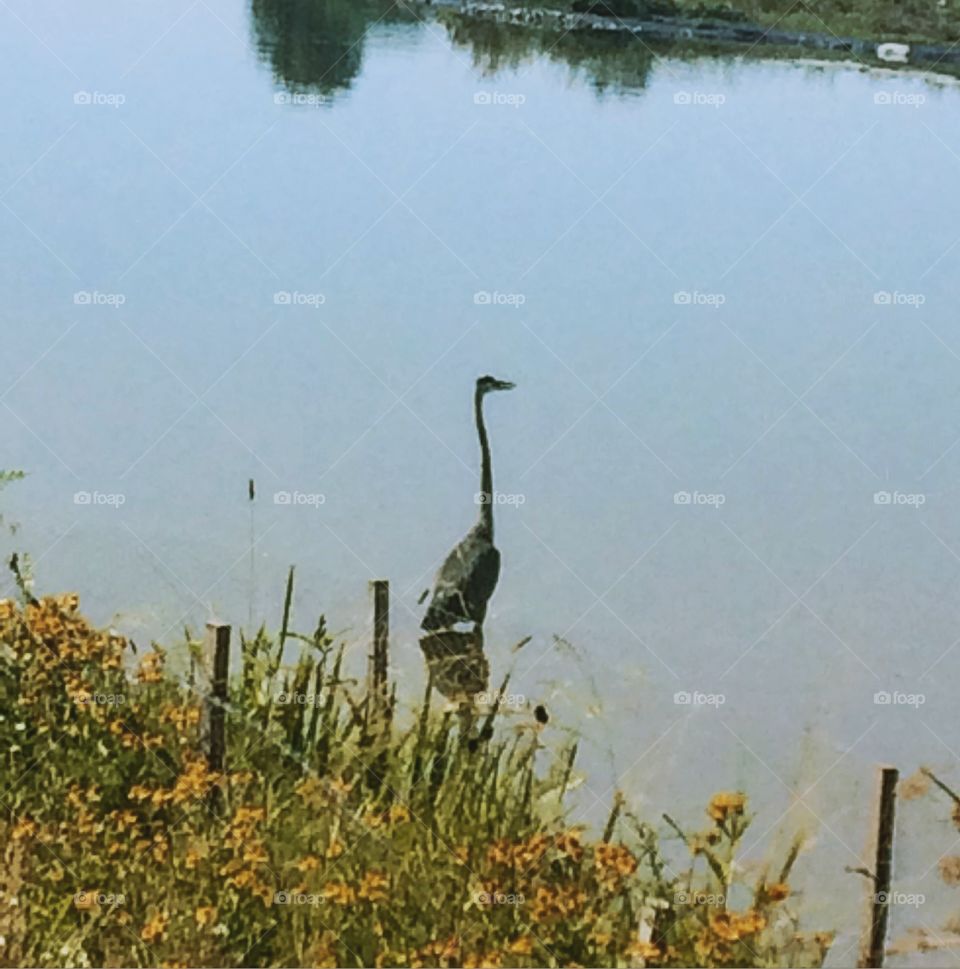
point(469, 574)
point(464, 584)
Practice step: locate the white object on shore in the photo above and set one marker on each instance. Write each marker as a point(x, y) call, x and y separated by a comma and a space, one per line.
point(894, 53)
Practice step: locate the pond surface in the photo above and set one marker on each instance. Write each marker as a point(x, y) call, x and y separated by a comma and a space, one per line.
point(281, 243)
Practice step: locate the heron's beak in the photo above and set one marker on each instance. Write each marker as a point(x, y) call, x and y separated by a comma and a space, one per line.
point(504, 385)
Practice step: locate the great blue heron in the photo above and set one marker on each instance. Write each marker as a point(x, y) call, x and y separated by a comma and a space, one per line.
point(467, 578)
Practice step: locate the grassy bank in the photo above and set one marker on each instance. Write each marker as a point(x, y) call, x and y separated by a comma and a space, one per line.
point(336, 835)
point(912, 20)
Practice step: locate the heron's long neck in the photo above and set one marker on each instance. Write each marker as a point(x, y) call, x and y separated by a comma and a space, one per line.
point(486, 469)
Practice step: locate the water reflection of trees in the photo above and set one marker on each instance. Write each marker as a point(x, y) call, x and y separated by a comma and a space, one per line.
point(317, 45)
point(607, 60)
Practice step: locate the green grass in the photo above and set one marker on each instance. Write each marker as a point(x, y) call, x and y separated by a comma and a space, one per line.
point(909, 20)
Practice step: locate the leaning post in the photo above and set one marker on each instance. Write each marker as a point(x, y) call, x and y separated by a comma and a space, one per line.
point(880, 862)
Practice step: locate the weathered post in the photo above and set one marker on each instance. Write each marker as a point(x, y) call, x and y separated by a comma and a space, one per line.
point(880, 860)
point(218, 662)
point(377, 675)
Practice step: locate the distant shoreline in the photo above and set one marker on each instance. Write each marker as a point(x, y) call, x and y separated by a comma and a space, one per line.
point(716, 32)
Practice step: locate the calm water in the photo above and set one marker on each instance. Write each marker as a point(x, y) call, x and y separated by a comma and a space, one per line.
point(685, 257)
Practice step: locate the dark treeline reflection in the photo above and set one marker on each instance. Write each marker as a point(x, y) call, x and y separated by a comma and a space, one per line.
point(609, 61)
point(317, 45)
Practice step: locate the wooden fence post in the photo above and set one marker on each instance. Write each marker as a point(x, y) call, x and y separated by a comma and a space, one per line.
point(880, 863)
point(218, 662)
point(377, 674)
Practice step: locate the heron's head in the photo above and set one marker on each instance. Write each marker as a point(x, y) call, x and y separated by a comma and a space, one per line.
point(488, 383)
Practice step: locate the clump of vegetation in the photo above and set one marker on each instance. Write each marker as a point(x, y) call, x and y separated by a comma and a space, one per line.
point(911, 20)
point(335, 836)
point(626, 8)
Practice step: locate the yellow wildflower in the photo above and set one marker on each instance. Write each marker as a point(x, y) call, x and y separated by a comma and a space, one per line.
point(569, 844)
point(373, 886)
point(726, 804)
point(24, 828)
point(87, 901)
point(151, 667)
point(398, 814)
point(641, 949)
point(205, 915)
point(155, 927)
point(308, 863)
point(339, 892)
point(522, 946)
point(777, 892)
